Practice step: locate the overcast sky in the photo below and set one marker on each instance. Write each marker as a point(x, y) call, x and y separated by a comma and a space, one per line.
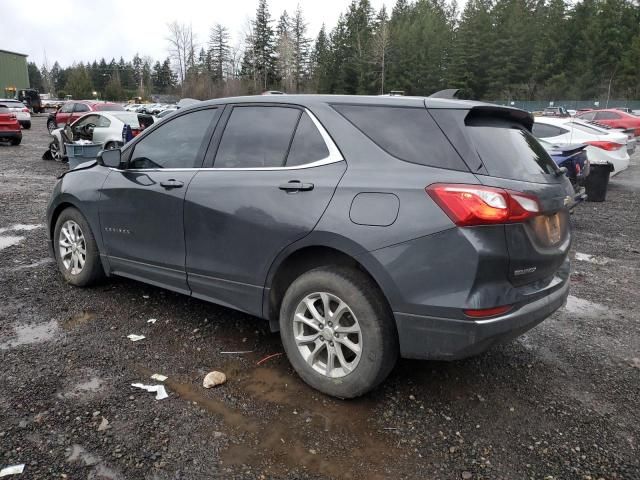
point(73, 30)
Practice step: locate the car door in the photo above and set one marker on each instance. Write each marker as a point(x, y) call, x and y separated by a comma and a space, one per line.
point(63, 115)
point(83, 128)
point(102, 132)
point(274, 172)
point(141, 206)
point(79, 109)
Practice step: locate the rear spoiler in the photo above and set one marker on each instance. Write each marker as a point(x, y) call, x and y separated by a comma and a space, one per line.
point(480, 112)
point(448, 93)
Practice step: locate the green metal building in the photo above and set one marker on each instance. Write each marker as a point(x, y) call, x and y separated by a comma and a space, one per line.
point(13, 73)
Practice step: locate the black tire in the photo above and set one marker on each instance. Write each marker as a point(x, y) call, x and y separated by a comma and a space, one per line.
point(92, 271)
point(379, 336)
point(16, 141)
point(26, 125)
point(51, 125)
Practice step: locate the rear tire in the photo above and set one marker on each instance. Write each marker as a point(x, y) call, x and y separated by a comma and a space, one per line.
point(51, 125)
point(26, 125)
point(16, 141)
point(362, 339)
point(76, 250)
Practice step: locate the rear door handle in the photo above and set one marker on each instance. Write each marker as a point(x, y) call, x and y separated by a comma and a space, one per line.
point(296, 186)
point(172, 183)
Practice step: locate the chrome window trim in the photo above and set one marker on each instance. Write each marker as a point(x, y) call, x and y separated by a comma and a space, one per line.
point(333, 157)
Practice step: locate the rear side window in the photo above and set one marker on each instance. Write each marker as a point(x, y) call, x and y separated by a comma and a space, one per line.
point(81, 107)
point(508, 150)
point(542, 130)
point(308, 145)
point(607, 116)
point(257, 137)
point(409, 134)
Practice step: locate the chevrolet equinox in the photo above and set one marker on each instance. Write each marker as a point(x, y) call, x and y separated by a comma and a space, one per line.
point(361, 228)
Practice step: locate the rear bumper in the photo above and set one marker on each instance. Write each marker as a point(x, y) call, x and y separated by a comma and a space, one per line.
point(423, 337)
point(10, 134)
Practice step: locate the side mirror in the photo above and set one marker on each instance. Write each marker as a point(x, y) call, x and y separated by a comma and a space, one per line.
point(110, 158)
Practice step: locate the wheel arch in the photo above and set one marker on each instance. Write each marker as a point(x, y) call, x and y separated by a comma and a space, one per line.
point(313, 252)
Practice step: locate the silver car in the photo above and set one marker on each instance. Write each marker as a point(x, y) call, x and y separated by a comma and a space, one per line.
point(21, 112)
point(97, 127)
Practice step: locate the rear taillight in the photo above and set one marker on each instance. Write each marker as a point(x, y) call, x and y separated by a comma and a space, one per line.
point(468, 205)
point(25, 109)
point(487, 312)
point(135, 132)
point(604, 145)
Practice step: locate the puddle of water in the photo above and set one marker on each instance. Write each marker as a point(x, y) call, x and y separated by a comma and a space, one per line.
point(20, 227)
point(585, 307)
point(79, 319)
point(28, 334)
point(83, 389)
point(100, 471)
point(6, 242)
point(277, 447)
point(585, 257)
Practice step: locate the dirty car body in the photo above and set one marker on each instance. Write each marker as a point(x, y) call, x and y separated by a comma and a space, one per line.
point(443, 223)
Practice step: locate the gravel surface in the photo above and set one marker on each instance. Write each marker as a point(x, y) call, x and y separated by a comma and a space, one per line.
point(561, 402)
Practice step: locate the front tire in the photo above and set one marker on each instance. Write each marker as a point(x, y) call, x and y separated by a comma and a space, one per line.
point(338, 331)
point(76, 250)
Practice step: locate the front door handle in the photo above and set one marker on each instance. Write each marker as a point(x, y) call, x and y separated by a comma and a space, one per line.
point(172, 183)
point(296, 186)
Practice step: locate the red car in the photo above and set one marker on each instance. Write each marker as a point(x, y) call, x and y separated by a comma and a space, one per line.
point(612, 118)
point(74, 109)
point(9, 126)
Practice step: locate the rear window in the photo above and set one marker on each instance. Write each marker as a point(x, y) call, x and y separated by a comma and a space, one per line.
point(130, 119)
point(109, 108)
point(587, 128)
point(507, 150)
point(409, 134)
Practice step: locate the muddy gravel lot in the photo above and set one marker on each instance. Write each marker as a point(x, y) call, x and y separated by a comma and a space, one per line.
point(561, 402)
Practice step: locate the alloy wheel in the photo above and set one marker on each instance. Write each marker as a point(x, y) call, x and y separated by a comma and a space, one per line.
point(73, 247)
point(327, 334)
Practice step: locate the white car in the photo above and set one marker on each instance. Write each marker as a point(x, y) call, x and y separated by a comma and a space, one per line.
point(20, 110)
point(132, 107)
point(603, 145)
point(96, 127)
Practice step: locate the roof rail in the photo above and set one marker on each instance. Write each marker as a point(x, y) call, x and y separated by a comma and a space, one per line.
point(448, 93)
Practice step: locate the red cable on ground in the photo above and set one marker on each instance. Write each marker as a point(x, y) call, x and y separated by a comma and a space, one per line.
point(267, 358)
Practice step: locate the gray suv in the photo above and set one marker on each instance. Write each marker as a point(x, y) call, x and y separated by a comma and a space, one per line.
point(361, 228)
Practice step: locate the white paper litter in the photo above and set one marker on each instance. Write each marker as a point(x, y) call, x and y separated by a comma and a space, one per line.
point(160, 378)
point(12, 470)
point(134, 338)
point(159, 389)
point(152, 320)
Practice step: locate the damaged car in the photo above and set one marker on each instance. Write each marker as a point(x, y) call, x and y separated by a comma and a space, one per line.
point(107, 128)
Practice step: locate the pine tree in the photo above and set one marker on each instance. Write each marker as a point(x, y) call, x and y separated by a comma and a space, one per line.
point(263, 46)
point(301, 46)
point(321, 62)
point(219, 51)
point(284, 53)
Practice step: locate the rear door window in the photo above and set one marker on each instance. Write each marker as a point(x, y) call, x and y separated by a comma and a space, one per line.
point(257, 137)
point(308, 145)
point(607, 116)
point(508, 150)
point(542, 130)
point(81, 107)
point(407, 133)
